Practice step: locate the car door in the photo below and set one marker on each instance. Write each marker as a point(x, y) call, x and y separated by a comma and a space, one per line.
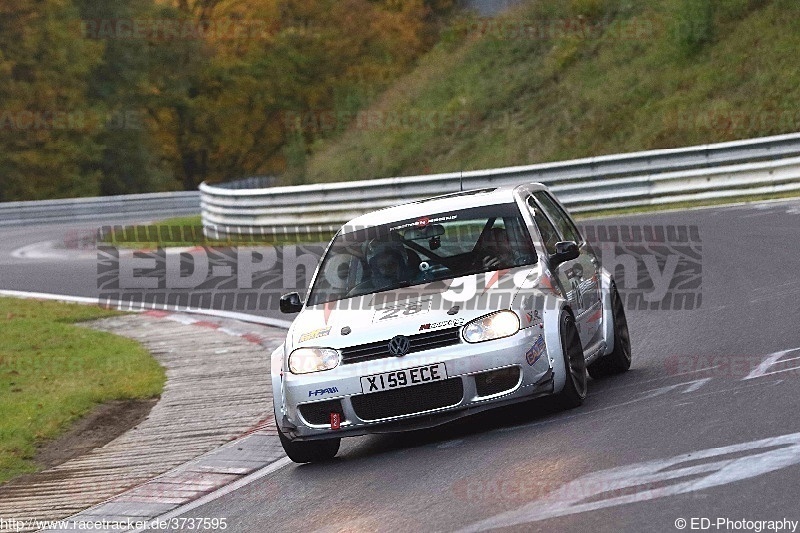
point(562, 273)
point(580, 277)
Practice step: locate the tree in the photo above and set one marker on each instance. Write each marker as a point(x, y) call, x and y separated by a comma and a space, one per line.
point(120, 85)
point(205, 91)
point(46, 148)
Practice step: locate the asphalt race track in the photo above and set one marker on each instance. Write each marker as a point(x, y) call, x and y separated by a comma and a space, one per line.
point(705, 425)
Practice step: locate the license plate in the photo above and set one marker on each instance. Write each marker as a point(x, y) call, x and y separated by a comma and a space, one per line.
point(403, 378)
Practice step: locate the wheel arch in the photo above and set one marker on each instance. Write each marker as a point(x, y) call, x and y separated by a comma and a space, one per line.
point(606, 284)
point(276, 368)
point(552, 337)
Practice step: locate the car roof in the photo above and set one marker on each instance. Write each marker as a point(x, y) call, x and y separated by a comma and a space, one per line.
point(439, 204)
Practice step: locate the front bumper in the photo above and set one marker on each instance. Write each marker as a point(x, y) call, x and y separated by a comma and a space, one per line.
point(479, 376)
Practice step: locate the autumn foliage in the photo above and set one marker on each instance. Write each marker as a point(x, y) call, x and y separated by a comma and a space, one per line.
point(105, 97)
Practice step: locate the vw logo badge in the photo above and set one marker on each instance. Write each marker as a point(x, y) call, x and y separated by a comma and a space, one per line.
point(399, 346)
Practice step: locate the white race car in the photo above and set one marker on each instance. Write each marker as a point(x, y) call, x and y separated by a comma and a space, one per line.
point(429, 311)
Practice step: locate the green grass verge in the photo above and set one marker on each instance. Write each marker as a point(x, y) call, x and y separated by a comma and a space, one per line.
point(602, 213)
point(191, 220)
point(188, 231)
point(52, 372)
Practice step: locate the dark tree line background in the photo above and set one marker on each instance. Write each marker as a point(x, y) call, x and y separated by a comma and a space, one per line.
point(103, 97)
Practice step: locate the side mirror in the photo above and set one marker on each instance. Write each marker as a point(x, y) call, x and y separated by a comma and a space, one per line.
point(565, 251)
point(291, 303)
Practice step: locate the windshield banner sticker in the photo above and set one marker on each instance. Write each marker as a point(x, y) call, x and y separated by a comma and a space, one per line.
point(424, 221)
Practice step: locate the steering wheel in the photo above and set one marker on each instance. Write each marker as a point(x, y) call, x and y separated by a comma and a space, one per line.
point(356, 290)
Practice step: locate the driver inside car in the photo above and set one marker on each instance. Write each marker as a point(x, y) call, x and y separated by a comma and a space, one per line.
point(495, 250)
point(388, 262)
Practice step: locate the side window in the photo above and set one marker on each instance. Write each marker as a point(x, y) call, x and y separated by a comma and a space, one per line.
point(546, 229)
point(561, 219)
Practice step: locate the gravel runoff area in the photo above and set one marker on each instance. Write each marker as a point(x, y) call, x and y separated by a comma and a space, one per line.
point(212, 426)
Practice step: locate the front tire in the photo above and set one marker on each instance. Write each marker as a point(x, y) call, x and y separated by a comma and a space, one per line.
point(312, 451)
point(574, 391)
point(619, 360)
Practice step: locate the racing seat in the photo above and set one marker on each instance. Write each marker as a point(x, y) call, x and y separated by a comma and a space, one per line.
point(495, 243)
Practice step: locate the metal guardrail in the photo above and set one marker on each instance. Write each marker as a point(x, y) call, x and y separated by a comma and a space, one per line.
point(156, 205)
point(753, 166)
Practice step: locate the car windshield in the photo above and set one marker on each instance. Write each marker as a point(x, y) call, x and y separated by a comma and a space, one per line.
point(416, 251)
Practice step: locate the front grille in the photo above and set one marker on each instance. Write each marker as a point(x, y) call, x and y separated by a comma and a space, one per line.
point(408, 400)
point(419, 342)
point(497, 381)
point(319, 413)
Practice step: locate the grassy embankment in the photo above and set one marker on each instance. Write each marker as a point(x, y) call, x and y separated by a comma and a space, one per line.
point(53, 372)
point(562, 80)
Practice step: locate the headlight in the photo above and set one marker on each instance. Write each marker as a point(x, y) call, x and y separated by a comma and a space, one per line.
point(494, 326)
point(305, 360)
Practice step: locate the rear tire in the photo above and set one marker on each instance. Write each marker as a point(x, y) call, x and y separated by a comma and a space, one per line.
point(311, 451)
point(619, 360)
point(574, 391)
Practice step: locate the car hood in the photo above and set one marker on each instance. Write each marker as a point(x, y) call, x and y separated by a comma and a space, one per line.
point(408, 311)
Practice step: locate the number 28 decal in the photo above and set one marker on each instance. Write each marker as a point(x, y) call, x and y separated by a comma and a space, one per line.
point(396, 311)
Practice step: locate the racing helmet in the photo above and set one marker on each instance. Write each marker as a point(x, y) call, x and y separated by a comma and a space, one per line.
point(377, 248)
